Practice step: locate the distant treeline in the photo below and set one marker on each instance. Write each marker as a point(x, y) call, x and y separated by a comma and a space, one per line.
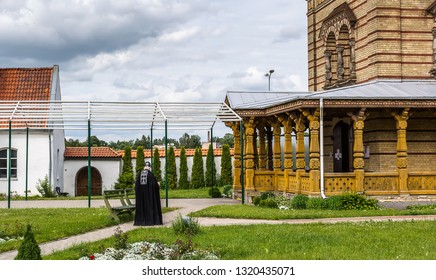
point(187, 141)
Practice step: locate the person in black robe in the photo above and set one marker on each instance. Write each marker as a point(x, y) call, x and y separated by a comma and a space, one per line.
point(148, 210)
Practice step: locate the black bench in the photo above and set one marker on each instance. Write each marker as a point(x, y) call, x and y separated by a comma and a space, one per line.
point(59, 193)
point(123, 195)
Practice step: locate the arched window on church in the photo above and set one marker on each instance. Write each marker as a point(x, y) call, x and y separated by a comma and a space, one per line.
point(336, 31)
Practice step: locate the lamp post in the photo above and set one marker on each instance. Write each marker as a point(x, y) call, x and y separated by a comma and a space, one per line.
point(269, 78)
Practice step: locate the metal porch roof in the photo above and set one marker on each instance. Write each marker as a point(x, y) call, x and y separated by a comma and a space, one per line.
point(377, 90)
point(114, 115)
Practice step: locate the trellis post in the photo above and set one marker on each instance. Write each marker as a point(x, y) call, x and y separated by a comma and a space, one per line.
point(166, 163)
point(89, 155)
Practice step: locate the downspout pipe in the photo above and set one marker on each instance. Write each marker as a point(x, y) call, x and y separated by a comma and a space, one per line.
point(321, 148)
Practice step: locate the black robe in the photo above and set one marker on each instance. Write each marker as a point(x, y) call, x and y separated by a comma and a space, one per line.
point(148, 210)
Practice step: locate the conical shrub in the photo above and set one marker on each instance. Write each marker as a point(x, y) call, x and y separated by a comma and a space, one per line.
point(29, 248)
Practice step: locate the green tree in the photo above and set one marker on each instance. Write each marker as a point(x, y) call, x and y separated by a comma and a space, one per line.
point(157, 166)
point(197, 174)
point(190, 142)
point(183, 180)
point(228, 139)
point(172, 169)
point(140, 161)
point(210, 168)
point(226, 166)
point(126, 179)
point(29, 248)
point(144, 142)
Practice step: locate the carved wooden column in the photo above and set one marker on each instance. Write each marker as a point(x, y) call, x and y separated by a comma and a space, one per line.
point(314, 162)
point(287, 147)
point(341, 71)
point(300, 127)
point(237, 154)
point(402, 149)
point(269, 137)
point(256, 154)
point(358, 150)
point(262, 150)
point(249, 154)
point(287, 122)
point(276, 146)
point(352, 59)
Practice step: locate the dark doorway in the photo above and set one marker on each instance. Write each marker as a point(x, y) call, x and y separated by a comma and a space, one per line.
point(342, 145)
point(82, 182)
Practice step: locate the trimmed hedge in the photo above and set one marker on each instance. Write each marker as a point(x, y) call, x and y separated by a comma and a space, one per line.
point(346, 201)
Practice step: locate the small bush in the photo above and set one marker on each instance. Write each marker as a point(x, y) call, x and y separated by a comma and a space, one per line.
point(120, 238)
point(45, 188)
point(266, 195)
point(256, 200)
point(317, 203)
point(354, 201)
point(186, 225)
point(268, 203)
point(29, 248)
point(334, 202)
point(228, 191)
point(214, 192)
point(299, 201)
point(283, 202)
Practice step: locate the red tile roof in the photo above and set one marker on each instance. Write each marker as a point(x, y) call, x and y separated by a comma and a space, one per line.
point(189, 152)
point(96, 152)
point(25, 83)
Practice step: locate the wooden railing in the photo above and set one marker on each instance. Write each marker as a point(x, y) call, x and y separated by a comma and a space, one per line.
point(339, 182)
point(421, 183)
point(265, 181)
point(386, 183)
point(381, 183)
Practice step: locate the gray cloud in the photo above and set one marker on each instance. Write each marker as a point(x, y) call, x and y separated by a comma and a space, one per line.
point(166, 50)
point(62, 30)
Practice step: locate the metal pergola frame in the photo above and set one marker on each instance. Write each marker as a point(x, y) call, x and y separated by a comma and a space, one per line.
point(97, 115)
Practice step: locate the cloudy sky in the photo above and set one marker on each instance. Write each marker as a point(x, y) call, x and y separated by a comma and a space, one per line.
point(158, 50)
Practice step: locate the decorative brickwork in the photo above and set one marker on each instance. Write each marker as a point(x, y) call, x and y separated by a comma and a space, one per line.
point(380, 39)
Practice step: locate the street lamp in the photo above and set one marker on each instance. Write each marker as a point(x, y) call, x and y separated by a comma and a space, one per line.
point(269, 78)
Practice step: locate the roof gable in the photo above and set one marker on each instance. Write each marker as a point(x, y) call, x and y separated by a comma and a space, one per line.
point(26, 83)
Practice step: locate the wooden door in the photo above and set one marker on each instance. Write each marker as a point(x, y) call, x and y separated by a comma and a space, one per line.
point(82, 182)
point(341, 147)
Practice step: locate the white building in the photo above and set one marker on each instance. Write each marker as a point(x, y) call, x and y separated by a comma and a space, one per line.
point(105, 169)
point(35, 153)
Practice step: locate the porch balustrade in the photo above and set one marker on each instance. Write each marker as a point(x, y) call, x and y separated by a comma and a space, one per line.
point(386, 183)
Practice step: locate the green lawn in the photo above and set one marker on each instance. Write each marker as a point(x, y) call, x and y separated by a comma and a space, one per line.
point(344, 241)
point(254, 212)
point(366, 240)
point(53, 223)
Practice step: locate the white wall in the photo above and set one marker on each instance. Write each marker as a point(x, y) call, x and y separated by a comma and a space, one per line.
point(38, 160)
point(108, 168)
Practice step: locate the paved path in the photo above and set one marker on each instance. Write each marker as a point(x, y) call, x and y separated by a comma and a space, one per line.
point(185, 206)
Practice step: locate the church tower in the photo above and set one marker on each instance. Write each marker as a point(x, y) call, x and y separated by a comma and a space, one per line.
point(357, 41)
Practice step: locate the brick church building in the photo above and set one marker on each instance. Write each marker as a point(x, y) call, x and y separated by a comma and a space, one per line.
point(368, 121)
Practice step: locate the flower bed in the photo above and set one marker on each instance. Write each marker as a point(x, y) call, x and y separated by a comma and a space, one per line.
point(153, 251)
